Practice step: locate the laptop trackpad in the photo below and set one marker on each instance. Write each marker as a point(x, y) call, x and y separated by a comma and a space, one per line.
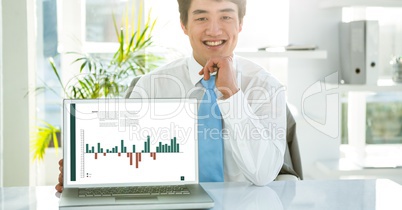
point(129, 199)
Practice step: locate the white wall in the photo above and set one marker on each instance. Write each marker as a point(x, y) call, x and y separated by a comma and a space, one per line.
point(17, 65)
point(1, 97)
point(317, 128)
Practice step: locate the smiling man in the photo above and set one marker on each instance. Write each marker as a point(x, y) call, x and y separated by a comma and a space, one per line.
point(250, 103)
point(213, 28)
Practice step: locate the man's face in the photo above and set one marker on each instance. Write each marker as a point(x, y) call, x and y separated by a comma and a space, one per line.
point(213, 28)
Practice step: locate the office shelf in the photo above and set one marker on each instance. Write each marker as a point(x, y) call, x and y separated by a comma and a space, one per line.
point(367, 3)
point(383, 85)
point(306, 54)
point(90, 47)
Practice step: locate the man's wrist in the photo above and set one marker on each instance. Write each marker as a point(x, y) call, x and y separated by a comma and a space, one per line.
point(227, 93)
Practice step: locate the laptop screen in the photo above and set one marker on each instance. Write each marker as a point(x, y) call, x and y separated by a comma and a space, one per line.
point(129, 142)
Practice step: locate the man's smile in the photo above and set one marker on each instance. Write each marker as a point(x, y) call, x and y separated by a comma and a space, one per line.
point(214, 43)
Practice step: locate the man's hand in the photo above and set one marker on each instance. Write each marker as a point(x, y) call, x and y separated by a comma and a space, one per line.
point(225, 74)
point(59, 186)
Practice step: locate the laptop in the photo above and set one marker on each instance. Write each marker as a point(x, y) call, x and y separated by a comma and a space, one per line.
point(131, 154)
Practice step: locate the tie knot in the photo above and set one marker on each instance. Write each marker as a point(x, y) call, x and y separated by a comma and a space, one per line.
point(209, 84)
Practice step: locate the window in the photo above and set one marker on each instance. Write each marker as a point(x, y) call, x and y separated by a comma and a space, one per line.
point(47, 100)
point(376, 116)
point(384, 118)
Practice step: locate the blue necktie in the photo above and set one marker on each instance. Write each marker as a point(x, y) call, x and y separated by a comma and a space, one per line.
point(210, 145)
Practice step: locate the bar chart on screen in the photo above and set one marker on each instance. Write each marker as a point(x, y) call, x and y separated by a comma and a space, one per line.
point(111, 146)
point(101, 159)
point(122, 151)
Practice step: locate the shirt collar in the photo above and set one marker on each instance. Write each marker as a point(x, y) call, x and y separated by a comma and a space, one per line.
point(194, 67)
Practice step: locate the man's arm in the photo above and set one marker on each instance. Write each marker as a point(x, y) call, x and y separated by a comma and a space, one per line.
point(255, 120)
point(256, 130)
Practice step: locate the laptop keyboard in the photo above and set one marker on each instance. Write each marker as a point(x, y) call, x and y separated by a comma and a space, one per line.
point(133, 191)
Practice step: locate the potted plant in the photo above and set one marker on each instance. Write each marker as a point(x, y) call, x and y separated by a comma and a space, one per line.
point(102, 77)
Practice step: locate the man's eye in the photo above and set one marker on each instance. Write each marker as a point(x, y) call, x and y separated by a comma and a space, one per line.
point(226, 17)
point(201, 19)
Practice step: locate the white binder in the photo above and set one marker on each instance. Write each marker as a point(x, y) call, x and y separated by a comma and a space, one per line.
point(359, 52)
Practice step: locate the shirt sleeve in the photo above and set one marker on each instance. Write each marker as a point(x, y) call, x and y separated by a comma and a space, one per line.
point(255, 124)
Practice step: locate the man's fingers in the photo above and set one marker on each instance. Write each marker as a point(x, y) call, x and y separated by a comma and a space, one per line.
point(60, 178)
point(207, 75)
point(205, 71)
point(59, 188)
point(213, 66)
point(208, 70)
point(201, 72)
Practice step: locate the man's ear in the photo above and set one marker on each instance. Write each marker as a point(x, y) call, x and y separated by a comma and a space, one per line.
point(241, 26)
point(183, 27)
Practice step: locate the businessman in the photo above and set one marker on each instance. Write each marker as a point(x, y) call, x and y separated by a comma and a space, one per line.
point(249, 143)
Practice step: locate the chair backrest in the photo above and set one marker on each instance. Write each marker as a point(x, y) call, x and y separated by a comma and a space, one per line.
point(292, 162)
point(132, 85)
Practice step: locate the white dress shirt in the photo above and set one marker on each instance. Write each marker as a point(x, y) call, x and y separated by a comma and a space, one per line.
point(254, 119)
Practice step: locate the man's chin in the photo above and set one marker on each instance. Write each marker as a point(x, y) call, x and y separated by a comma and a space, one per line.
point(218, 54)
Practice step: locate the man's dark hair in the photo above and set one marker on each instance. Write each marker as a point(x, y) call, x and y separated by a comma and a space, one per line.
point(184, 6)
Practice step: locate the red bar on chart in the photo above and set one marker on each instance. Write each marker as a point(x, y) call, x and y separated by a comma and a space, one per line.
point(136, 159)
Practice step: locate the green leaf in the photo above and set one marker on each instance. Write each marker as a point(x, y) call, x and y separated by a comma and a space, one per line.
point(51, 61)
point(41, 138)
point(83, 66)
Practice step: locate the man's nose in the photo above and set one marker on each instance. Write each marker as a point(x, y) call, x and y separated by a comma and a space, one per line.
point(214, 28)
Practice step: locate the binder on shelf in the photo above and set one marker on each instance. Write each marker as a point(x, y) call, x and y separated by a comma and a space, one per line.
point(359, 52)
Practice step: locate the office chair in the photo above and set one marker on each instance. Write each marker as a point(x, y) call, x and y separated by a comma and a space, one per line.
point(131, 87)
point(292, 168)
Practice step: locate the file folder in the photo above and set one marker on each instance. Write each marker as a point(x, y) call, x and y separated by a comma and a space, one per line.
point(359, 46)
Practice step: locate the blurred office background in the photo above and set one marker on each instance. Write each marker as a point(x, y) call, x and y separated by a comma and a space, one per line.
point(328, 115)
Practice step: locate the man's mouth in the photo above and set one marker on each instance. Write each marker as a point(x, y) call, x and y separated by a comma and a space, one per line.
point(214, 43)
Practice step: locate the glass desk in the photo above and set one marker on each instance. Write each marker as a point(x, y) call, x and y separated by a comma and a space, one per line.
point(308, 194)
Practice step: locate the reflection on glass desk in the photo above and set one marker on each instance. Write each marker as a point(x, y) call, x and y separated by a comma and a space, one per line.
point(301, 195)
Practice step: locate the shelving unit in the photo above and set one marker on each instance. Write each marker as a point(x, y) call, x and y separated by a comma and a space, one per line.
point(365, 3)
point(305, 54)
point(324, 163)
point(250, 53)
point(382, 86)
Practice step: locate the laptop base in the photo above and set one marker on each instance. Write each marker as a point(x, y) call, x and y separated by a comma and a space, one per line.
point(197, 199)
